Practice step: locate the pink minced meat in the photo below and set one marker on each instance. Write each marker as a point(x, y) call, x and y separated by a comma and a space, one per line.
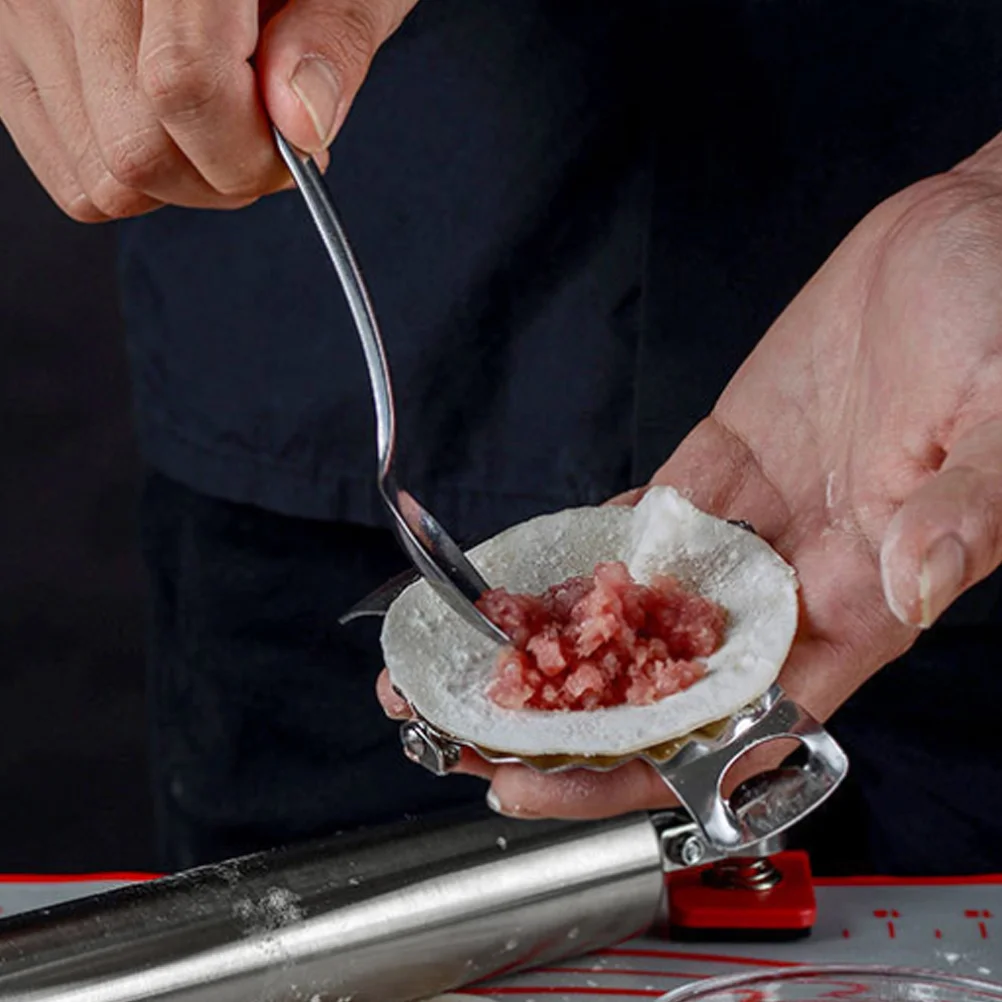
point(601, 641)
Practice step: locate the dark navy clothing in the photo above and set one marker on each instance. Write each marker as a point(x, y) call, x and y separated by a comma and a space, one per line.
point(576, 220)
point(494, 180)
point(265, 724)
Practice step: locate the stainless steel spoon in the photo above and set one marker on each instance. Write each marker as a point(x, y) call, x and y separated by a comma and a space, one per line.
point(434, 553)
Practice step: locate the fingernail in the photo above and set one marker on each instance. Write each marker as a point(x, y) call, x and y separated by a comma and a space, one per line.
point(316, 86)
point(396, 705)
point(940, 578)
point(507, 810)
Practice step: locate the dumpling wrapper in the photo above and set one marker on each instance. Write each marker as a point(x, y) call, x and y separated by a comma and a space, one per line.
point(444, 667)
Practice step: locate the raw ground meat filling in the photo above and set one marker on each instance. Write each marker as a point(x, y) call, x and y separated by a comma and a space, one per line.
point(601, 641)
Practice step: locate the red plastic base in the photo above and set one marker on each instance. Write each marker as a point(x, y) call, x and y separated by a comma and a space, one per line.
point(790, 906)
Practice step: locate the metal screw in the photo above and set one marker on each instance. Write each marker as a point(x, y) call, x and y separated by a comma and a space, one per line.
point(435, 755)
point(414, 745)
point(691, 851)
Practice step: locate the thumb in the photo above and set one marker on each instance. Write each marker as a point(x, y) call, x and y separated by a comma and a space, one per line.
point(948, 534)
point(313, 57)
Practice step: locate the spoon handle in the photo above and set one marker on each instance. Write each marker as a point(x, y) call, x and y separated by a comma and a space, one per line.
point(311, 184)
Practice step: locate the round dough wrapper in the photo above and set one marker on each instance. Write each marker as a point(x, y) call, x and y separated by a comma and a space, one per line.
point(444, 667)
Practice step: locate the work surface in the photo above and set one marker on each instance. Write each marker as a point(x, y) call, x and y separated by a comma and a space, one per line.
point(950, 926)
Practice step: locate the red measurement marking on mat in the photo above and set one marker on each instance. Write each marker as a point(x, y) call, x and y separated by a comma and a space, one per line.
point(706, 958)
point(883, 913)
point(624, 972)
point(846, 990)
point(845, 933)
point(939, 934)
point(981, 914)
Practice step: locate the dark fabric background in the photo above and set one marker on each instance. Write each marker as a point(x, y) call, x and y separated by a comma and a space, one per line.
point(73, 786)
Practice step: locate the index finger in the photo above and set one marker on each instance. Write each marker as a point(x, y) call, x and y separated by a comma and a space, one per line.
point(194, 69)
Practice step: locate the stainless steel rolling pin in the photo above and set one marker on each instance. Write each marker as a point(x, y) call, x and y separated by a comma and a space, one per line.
point(386, 915)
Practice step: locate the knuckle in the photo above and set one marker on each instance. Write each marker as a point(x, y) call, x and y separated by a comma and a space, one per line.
point(950, 228)
point(16, 83)
point(136, 161)
point(180, 79)
point(355, 37)
point(963, 207)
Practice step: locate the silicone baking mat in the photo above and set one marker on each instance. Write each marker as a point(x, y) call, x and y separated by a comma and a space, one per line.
point(954, 926)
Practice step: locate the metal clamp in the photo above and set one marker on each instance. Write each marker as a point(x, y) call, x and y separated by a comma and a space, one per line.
point(760, 809)
point(770, 802)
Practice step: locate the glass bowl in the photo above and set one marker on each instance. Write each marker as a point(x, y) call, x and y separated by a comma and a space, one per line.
point(836, 983)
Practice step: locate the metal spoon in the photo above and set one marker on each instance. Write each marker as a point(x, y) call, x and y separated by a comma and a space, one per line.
point(434, 553)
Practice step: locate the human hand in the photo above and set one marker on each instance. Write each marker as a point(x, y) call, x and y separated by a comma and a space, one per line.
point(863, 439)
point(120, 106)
